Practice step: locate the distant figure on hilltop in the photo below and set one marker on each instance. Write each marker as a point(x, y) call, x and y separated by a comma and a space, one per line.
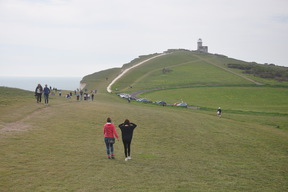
point(219, 112)
point(38, 93)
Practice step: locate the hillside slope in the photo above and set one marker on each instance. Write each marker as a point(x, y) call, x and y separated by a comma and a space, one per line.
point(177, 68)
point(217, 84)
point(60, 147)
point(182, 68)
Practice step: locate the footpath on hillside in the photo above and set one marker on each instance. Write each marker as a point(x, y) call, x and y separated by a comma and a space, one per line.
point(134, 94)
point(128, 69)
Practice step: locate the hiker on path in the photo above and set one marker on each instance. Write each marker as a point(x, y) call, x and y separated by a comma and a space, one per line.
point(81, 94)
point(46, 94)
point(109, 133)
point(38, 93)
point(127, 129)
point(219, 112)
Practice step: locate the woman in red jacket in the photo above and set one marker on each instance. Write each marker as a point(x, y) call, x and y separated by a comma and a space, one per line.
point(109, 132)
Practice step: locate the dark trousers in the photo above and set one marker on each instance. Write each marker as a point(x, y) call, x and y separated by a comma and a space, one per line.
point(127, 149)
point(39, 97)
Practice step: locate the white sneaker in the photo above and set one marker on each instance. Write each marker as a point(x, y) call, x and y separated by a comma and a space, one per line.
point(129, 158)
point(126, 159)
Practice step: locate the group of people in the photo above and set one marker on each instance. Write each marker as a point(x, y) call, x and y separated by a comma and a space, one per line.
point(127, 128)
point(110, 133)
point(84, 95)
point(39, 91)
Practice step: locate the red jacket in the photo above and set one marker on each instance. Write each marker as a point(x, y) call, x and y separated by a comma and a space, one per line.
point(109, 130)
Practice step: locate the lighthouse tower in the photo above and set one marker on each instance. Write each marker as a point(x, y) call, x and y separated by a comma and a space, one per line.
point(200, 47)
point(199, 44)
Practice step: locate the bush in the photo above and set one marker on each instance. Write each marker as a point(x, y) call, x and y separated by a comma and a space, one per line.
point(271, 71)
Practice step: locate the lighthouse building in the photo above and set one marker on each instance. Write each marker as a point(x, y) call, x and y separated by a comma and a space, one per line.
point(200, 47)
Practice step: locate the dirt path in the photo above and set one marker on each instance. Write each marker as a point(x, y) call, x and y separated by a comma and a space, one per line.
point(128, 69)
point(21, 125)
point(199, 58)
point(134, 94)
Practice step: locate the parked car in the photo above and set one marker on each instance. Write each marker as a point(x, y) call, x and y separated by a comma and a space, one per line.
point(124, 95)
point(181, 104)
point(144, 100)
point(161, 102)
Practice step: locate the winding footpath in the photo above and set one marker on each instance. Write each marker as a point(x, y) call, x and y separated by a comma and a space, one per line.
point(128, 69)
point(142, 91)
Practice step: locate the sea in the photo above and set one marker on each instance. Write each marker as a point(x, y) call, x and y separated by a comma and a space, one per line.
point(30, 83)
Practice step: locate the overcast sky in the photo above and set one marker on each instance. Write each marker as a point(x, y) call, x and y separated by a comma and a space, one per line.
point(80, 37)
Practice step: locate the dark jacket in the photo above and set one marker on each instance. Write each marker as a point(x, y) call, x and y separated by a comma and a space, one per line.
point(46, 90)
point(127, 130)
point(40, 90)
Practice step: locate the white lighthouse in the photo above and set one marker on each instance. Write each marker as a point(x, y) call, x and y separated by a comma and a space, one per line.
point(200, 47)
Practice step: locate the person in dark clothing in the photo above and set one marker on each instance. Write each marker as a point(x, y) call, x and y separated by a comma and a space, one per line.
point(46, 94)
point(219, 112)
point(81, 94)
point(38, 93)
point(127, 129)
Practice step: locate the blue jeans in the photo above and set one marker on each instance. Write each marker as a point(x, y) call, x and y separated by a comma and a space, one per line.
point(46, 96)
point(109, 146)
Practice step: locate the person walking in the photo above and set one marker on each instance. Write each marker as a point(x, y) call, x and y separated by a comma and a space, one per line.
point(38, 93)
point(81, 94)
point(219, 112)
point(127, 129)
point(109, 133)
point(46, 94)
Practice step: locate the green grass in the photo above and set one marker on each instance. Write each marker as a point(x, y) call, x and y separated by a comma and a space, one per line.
point(187, 69)
point(60, 147)
point(264, 105)
point(261, 99)
point(100, 80)
point(188, 74)
point(173, 149)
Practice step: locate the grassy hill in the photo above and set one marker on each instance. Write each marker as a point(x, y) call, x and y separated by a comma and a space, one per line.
point(206, 81)
point(100, 80)
point(186, 68)
point(60, 147)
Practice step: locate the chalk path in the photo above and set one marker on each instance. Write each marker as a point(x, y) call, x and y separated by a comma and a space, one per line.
point(128, 69)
